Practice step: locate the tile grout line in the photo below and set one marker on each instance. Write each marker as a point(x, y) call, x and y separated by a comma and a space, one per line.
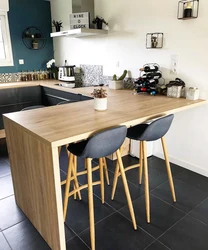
point(7, 241)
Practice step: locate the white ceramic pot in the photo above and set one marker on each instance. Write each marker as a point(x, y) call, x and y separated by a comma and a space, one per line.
point(35, 45)
point(116, 85)
point(100, 104)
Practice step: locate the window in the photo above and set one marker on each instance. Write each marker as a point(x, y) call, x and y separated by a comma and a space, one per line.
point(6, 58)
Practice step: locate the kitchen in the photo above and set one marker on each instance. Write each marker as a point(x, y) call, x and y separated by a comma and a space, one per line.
point(125, 43)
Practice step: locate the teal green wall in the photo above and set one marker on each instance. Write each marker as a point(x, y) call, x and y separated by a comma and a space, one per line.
point(22, 14)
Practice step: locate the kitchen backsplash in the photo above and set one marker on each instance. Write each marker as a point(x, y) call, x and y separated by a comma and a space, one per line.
point(89, 75)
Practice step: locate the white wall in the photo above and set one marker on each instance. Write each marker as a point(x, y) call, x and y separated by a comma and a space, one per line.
point(129, 21)
point(4, 5)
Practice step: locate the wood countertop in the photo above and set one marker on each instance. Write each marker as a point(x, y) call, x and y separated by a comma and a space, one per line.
point(62, 124)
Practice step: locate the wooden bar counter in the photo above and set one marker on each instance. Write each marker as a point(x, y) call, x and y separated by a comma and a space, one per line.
point(33, 138)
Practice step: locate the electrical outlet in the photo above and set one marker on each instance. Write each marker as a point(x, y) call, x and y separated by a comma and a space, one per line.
point(174, 64)
point(21, 61)
point(117, 64)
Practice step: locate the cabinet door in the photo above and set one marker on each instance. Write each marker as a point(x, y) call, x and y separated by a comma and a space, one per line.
point(20, 95)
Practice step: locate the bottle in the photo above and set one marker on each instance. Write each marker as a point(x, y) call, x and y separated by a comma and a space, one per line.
point(35, 76)
point(188, 9)
point(151, 68)
point(29, 77)
point(153, 75)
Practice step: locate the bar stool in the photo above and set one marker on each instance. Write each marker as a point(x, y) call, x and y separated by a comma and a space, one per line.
point(151, 131)
point(33, 107)
point(98, 146)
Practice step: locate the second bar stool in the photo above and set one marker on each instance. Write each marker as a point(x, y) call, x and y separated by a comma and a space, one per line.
point(98, 146)
point(149, 132)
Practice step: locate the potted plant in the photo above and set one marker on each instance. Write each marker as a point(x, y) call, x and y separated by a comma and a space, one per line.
point(35, 44)
point(117, 82)
point(100, 99)
point(57, 25)
point(98, 21)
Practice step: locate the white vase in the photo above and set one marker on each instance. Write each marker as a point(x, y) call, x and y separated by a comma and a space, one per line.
point(100, 104)
point(116, 85)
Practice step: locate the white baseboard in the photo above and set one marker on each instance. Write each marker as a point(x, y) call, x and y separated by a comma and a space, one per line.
point(184, 164)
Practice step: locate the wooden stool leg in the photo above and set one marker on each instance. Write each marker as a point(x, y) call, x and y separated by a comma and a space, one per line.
point(170, 178)
point(106, 171)
point(140, 163)
point(91, 203)
point(116, 175)
point(126, 188)
point(68, 180)
point(146, 181)
point(76, 183)
point(102, 180)
point(115, 179)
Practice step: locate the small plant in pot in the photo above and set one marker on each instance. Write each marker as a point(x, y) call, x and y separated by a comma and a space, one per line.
point(100, 99)
point(35, 44)
point(117, 82)
point(57, 25)
point(98, 21)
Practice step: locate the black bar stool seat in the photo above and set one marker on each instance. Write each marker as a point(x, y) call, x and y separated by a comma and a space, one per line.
point(98, 146)
point(150, 131)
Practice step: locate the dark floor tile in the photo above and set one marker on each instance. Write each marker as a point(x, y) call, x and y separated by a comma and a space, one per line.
point(117, 233)
point(201, 212)
point(4, 168)
point(194, 179)
point(10, 214)
point(63, 175)
point(159, 165)
point(188, 197)
point(163, 215)
point(76, 244)
point(78, 213)
point(187, 234)
point(120, 197)
point(25, 236)
point(6, 187)
point(69, 234)
point(157, 246)
point(3, 243)
point(156, 178)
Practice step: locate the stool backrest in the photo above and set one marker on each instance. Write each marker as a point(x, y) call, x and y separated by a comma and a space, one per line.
point(105, 143)
point(33, 107)
point(157, 129)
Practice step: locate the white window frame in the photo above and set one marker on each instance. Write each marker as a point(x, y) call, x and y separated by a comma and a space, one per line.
point(8, 61)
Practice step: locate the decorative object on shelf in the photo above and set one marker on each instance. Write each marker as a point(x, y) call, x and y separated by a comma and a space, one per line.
point(100, 99)
point(188, 9)
point(149, 79)
point(35, 44)
point(176, 88)
point(192, 93)
point(57, 25)
point(53, 69)
point(98, 21)
point(80, 20)
point(34, 38)
point(117, 83)
point(154, 40)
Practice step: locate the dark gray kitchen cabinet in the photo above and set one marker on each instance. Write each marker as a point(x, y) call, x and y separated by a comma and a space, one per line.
point(15, 99)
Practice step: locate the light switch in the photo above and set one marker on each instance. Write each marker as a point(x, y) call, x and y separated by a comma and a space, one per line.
point(21, 61)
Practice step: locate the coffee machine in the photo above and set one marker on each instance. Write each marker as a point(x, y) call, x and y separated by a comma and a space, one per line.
point(66, 74)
